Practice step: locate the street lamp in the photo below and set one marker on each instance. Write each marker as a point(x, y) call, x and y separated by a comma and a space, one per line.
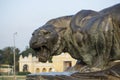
point(14, 53)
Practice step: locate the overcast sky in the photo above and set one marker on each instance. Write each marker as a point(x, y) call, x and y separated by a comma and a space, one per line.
point(24, 16)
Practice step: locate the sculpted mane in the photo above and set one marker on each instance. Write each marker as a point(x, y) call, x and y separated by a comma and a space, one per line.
point(89, 36)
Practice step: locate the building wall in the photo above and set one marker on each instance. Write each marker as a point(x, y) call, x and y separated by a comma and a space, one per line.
point(6, 69)
point(60, 59)
point(34, 66)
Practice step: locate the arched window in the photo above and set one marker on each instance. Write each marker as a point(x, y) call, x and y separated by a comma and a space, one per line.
point(25, 68)
point(44, 70)
point(37, 70)
point(67, 65)
point(50, 69)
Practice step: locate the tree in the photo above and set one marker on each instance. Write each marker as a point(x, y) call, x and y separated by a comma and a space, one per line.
point(1, 56)
point(7, 56)
point(27, 51)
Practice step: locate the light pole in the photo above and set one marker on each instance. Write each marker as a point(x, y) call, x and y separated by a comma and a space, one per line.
point(14, 54)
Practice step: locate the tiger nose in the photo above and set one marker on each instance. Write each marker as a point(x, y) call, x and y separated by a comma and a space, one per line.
point(33, 42)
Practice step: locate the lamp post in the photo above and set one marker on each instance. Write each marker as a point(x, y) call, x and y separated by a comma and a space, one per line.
point(14, 55)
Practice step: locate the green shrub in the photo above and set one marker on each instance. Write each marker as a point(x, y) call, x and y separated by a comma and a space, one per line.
point(23, 73)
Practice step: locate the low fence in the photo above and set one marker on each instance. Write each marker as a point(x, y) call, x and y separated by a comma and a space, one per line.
point(12, 77)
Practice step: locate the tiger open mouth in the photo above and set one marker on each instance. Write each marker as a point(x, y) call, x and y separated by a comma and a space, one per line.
point(43, 53)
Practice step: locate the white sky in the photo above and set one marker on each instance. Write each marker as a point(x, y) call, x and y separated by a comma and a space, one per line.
point(24, 16)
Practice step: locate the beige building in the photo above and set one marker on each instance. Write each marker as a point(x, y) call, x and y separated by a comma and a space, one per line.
point(4, 68)
point(59, 64)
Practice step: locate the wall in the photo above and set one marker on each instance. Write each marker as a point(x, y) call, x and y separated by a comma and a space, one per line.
point(34, 66)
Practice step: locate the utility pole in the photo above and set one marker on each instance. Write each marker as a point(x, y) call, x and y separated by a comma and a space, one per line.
point(14, 53)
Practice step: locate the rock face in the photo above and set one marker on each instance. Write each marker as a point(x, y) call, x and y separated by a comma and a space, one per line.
point(90, 37)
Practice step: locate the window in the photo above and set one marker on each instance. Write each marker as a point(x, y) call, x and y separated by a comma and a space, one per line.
point(37, 70)
point(44, 70)
point(50, 69)
point(67, 65)
point(25, 68)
